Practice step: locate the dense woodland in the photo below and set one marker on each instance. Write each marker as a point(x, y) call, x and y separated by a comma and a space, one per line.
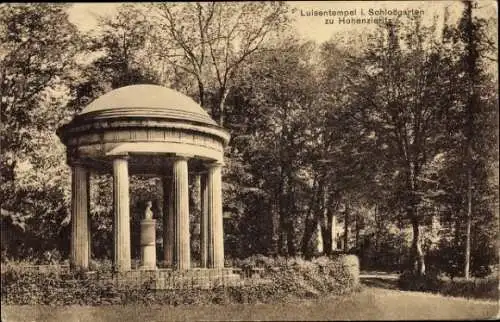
point(391, 135)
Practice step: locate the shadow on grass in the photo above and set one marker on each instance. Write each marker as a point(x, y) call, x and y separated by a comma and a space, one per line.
point(389, 284)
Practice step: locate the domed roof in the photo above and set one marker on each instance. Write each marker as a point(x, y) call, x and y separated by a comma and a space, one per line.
point(146, 101)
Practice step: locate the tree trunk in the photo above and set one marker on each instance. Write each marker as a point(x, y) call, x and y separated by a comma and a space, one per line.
point(308, 233)
point(309, 222)
point(290, 224)
point(284, 212)
point(330, 237)
point(346, 229)
point(333, 231)
point(326, 222)
point(471, 60)
point(376, 228)
point(222, 101)
point(417, 257)
point(201, 95)
point(469, 222)
point(290, 238)
point(319, 244)
point(274, 247)
point(357, 230)
point(282, 242)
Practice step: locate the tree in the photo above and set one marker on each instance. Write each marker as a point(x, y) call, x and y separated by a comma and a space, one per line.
point(339, 152)
point(36, 57)
point(401, 103)
point(115, 57)
point(471, 32)
point(471, 67)
point(268, 119)
point(210, 41)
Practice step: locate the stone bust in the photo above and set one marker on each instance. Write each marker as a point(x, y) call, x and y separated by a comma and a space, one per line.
point(148, 214)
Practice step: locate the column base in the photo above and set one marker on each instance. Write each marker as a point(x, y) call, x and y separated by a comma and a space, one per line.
point(148, 244)
point(148, 256)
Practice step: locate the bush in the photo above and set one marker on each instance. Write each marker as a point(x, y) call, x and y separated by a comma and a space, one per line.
point(411, 281)
point(293, 278)
point(298, 278)
point(486, 288)
point(351, 266)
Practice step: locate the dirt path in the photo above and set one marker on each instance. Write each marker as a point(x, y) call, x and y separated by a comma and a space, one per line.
point(380, 280)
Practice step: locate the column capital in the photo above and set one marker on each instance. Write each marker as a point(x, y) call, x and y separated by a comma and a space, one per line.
point(120, 157)
point(214, 164)
point(78, 164)
point(75, 162)
point(179, 156)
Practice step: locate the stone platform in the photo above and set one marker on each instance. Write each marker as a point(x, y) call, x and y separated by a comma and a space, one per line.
point(161, 279)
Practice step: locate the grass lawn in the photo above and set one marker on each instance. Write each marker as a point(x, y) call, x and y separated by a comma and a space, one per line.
point(370, 304)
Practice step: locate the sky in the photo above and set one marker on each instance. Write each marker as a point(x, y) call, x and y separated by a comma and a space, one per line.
point(316, 28)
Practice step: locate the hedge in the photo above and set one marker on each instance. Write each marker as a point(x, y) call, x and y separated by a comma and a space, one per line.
point(289, 279)
point(483, 288)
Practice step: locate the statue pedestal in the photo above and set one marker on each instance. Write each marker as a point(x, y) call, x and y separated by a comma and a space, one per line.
point(148, 244)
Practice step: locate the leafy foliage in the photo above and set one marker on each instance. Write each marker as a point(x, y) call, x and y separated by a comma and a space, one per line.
point(295, 279)
point(36, 58)
point(483, 288)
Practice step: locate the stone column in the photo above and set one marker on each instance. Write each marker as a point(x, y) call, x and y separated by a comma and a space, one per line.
point(214, 217)
point(180, 205)
point(204, 221)
point(121, 225)
point(80, 244)
point(89, 220)
point(168, 223)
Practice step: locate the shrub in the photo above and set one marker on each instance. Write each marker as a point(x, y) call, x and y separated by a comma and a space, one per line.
point(351, 266)
point(257, 261)
point(293, 278)
point(473, 288)
point(304, 279)
point(486, 288)
point(411, 281)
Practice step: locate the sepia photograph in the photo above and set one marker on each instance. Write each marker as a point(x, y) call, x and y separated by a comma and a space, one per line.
point(249, 161)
